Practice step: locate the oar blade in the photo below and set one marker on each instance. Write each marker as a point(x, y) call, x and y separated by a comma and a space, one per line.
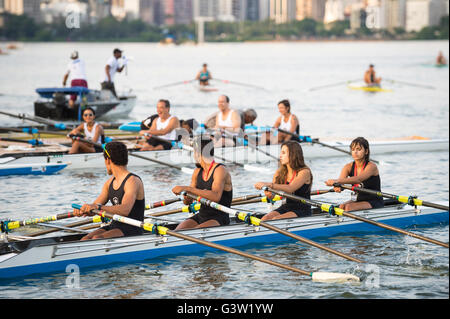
point(334, 277)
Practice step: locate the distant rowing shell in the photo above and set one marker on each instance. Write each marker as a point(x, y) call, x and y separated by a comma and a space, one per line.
point(207, 88)
point(369, 88)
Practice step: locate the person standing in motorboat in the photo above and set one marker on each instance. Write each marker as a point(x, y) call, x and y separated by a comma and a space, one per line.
point(112, 66)
point(77, 71)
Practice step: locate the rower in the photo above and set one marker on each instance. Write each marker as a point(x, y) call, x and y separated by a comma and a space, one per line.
point(189, 125)
point(248, 116)
point(163, 127)
point(211, 181)
point(294, 177)
point(286, 121)
point(360, 171)
point(203, 76)
point(124, 190)
point(77, 72)
point(440, 60)
point(92, 130)
point(370, 77)
point(227, 120)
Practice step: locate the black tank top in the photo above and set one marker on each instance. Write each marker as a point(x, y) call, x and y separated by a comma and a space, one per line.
point(227, 196)
point(115, 196)
point(373, 182)
point(305, 192)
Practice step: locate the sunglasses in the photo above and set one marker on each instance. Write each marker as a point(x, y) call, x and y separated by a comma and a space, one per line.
point(88, 114)
point(106, 151)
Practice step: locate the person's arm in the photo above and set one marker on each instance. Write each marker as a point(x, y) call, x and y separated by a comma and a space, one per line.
point(277, 122)
point(294, 123)
point(370, 170)
point(101, 199)
point(76, 130)
point(197, 77)
point(108, 76)
point(66, 76)
point(177, 190)
point(98, 132)
point(131, 189)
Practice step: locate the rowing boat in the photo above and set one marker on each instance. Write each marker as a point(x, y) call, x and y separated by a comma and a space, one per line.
point(206, 88)
point(369, 88)
point(54, 254)
point(238, 154)
point(31, 169)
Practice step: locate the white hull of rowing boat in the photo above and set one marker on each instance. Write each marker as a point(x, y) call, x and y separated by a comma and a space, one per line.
point(239, 154)
point(54, 257)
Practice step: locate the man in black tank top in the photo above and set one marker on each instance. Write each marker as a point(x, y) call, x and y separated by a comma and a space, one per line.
point(124, 190)
point(210, 180)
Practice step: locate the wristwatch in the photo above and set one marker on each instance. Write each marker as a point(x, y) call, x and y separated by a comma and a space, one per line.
point(99, 206)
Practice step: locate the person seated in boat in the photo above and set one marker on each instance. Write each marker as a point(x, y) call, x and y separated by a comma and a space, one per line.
point(77, 72)
point(163, 128)
point(210, 180)
point(203, 76)
point(293, 176)
point(123, 189)
point(248, 116)
point(228, 122)
point(91, 131)
point(363, 172)
point(370, 77)
point(189, 125)
point(287, 122)
point(440, 60)
point(116, 63)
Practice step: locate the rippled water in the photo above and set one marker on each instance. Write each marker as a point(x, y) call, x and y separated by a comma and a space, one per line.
point(407, 268)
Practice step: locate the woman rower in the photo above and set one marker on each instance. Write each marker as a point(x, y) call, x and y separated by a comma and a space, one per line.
point(360, 171)
point(210, 180)
point(287, 122)
point(91, 130)
point(293, 176)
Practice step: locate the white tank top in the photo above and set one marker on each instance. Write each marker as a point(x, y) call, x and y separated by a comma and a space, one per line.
point(227, 122)
point(90, 135)
point(286, 125)
point(162, 125)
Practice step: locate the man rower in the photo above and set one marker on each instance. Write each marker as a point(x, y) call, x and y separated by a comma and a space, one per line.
point(227, 120)
point(211, 181)
point(248, 116)
point(124, 190)
point(203, 76)
point(164, 127)
point(440, 60)
point(113, 66)
point(77, 71)
point(370, 77)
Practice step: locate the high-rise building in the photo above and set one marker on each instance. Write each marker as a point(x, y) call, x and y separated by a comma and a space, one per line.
point(313, 9)
point(334, 11)
point(205, 8)
point(183, 11)
point(252, 12)
point(395, 14)
point(422, 13)
point(264, 10)
point(282, 11)
point(31, 8)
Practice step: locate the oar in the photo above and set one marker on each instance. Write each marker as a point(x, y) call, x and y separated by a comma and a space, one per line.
point(162, 203)
point(93, 219)
point(316, 141)
point(338, 211)
point(412, 84)
point(6, 226)
point(173, 84)
point(240, 83)
point(37, 119)
point(183, 169)
point(160, 230)
point(35, 142)
point(411, 200)
point(331, 85)
point(257, 222)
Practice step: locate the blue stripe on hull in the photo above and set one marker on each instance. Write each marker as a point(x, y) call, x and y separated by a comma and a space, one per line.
point(29, 170)
point(328, 231)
